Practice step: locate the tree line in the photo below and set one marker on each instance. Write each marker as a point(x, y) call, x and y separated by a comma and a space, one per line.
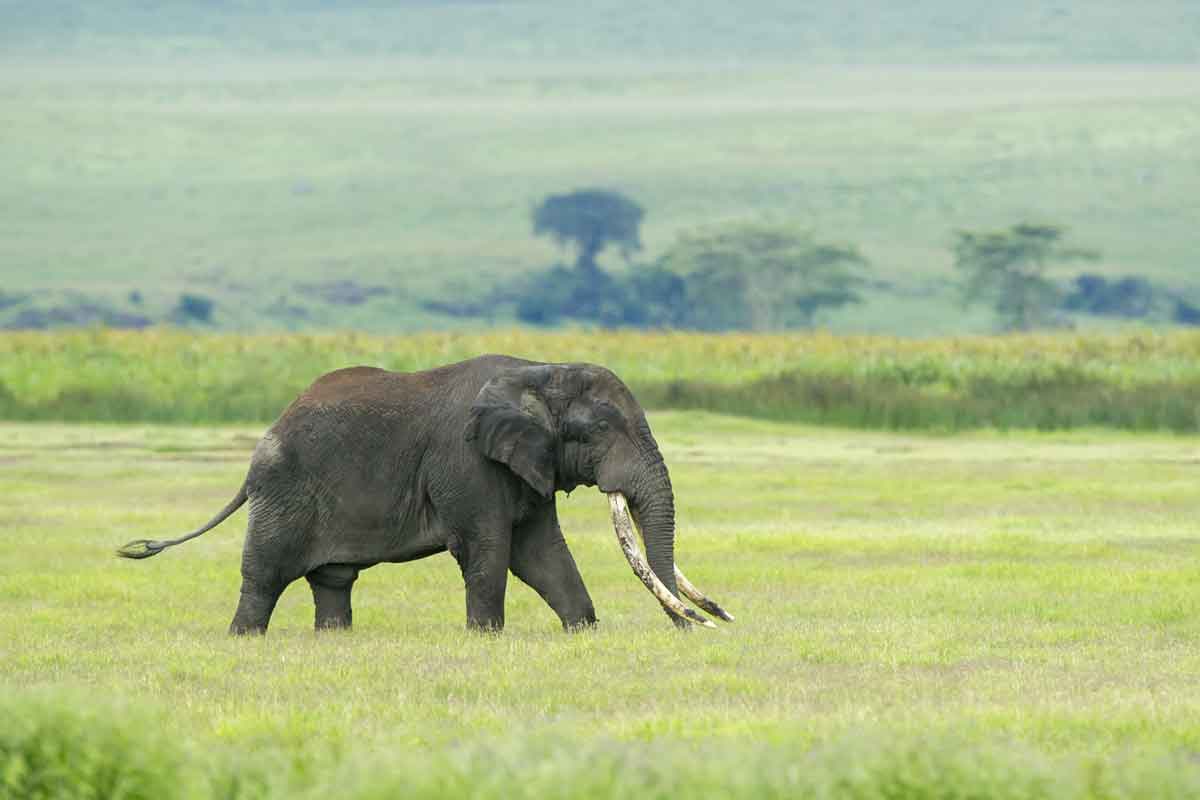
point(749, 275)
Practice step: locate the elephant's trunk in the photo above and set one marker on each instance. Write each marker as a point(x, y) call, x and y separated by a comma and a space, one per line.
point(652, 502)
point(653, 505)
point(623, 525)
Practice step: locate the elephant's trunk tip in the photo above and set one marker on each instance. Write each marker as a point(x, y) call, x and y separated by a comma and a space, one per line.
point(624, 527)
point(141, 548)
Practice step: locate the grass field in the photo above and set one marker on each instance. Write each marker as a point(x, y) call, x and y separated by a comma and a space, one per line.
point(973, 616)
point(256, 181)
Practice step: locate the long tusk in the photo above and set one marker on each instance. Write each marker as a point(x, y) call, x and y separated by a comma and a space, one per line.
point(696, 596)
point(623, 526)
point(689, 589)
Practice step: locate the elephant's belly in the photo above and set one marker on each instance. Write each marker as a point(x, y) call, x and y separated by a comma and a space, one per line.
point(411, 551)
point(373, 544)
point(367, 527)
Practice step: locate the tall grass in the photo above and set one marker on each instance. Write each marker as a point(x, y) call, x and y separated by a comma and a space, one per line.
point(1137, 381)
point(65, 747)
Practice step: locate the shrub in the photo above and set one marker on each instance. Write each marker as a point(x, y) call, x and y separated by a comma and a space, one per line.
point(72, 747)
point(193, 308)
point(52, 750)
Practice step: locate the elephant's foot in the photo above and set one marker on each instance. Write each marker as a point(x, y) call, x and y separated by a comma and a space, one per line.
point(489, 624)
point(583, 624)
point(332, 623)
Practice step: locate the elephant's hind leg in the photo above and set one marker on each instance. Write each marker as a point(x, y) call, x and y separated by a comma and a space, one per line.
point(269, 564)
point(331, 585)
point(254, 609)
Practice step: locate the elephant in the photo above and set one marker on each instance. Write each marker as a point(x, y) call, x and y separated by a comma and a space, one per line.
point(369, 466)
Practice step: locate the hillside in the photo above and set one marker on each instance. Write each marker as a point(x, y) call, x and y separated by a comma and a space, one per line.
point(710, 31)
point(341, 167)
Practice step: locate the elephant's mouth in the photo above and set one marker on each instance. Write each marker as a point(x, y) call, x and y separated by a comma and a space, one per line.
point(624, 526)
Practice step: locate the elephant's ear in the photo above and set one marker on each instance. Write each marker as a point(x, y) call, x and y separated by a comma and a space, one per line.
point(510, 424)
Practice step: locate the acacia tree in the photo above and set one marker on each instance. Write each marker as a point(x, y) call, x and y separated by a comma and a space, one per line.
point(762, 276)
point(1008, 269)
point(590, 219)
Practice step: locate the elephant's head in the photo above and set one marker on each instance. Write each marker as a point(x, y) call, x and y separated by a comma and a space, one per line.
point(558, 426)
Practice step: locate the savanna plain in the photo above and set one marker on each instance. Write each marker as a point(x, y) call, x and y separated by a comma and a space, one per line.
point(918, 615)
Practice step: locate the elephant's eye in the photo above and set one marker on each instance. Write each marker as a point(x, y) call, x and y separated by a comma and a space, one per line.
point(600, 426)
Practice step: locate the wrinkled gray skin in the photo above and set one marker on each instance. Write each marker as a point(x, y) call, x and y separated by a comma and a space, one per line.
point(368, 466)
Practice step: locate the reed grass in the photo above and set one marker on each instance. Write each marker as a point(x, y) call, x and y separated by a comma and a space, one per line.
point(1136, 381)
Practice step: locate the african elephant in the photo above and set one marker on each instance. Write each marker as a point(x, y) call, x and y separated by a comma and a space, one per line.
point(368, 466)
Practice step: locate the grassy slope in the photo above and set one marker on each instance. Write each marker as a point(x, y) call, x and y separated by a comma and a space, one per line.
point(1031, 593)
point(240, 153)
point(243, 183)
point(856, 31)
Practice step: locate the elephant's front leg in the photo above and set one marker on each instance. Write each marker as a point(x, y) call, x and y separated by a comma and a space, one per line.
point(483, 558)
point(541, 558)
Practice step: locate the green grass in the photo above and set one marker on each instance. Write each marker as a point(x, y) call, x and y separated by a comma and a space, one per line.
point(974, 616)
point(243, 180)
point(1136, 381)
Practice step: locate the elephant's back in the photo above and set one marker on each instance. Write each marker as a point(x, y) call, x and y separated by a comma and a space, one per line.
point(355, 403)
point(357, 437)
point(438, 390)
point(363, 406)
point(353, 434)
point(349, 384)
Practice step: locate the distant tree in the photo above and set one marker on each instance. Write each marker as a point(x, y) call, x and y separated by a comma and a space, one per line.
point(193, 308)
point(656, 298)
point(761, 276)
point(1124, 297)
point(590, 219)
point(547, 297)
point(1008, 269)
point(1185, 313)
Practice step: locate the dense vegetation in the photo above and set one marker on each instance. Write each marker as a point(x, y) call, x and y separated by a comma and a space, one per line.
point(1140, 381)
point(62, 746)
point(977, 616)
point(726, 277)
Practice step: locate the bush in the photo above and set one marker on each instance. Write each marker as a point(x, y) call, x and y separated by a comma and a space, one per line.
point(1130, 296)
point(67, 748)
point(659, 296)
point(556, 294)
point(1186, 313)
point(55, 750)
point(194, 308)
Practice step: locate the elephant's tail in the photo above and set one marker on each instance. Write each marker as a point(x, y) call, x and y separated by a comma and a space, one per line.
point(144, 548)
